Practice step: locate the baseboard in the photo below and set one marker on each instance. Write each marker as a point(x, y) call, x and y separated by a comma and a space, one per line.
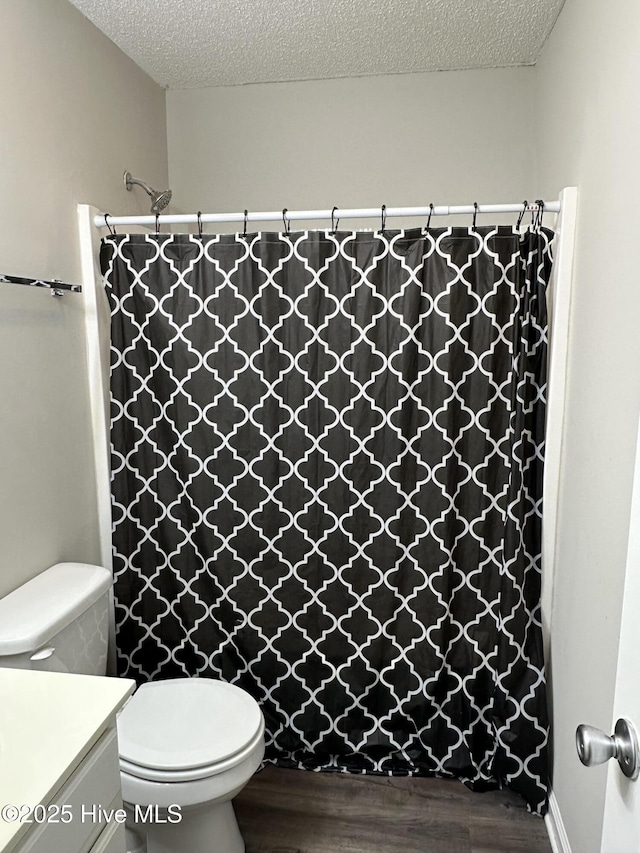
point(555, 827)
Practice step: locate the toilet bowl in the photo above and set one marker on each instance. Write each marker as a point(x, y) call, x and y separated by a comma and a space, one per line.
point(187, 747)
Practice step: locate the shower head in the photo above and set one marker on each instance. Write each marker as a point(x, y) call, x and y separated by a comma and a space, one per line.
point(159, 198)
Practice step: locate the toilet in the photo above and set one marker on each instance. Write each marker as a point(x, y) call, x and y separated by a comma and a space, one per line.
point(191, 743)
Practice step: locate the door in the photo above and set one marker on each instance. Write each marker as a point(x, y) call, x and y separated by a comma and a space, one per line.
point(621, 832)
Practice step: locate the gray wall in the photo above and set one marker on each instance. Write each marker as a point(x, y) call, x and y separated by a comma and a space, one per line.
point(75, 112)
point(402, 140)
point(588, 121)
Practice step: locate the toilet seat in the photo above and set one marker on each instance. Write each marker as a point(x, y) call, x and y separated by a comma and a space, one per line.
point(193, 774)
point(185, 729)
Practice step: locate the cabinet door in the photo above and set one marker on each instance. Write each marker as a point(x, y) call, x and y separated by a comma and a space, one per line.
point(87, 795)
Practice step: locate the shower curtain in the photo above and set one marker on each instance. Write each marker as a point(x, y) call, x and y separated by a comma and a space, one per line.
point(327, 456)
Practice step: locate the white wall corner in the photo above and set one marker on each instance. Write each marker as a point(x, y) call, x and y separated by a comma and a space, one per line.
point(555, 827)
point(97, 353)
point(559, 321)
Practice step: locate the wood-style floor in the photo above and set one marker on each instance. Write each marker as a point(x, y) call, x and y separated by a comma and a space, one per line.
point(297, 811)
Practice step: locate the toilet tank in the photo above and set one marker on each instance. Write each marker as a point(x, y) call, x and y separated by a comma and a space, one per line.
point(58, 621)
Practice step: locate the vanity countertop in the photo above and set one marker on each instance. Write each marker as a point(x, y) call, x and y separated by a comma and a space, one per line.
point(48, 723)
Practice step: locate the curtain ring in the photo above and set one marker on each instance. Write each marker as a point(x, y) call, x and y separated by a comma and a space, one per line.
point(287, 222)
point(475, 214)
point(429, 217)
point(246, 214)
point(334, 223)
point(110, 227)
point(540, 204)
point(522, 213)
point(157, 223)
point(200, 224)
point(383, 218)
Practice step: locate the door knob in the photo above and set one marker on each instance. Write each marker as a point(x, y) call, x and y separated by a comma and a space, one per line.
point(595, 747)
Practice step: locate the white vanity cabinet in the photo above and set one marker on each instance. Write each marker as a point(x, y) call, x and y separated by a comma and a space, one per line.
point(59, 763)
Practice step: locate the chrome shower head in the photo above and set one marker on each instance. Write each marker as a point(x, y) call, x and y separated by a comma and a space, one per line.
point(159, 198)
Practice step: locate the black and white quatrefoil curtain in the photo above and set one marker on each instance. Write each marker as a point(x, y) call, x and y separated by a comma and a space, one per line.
point(327, 455)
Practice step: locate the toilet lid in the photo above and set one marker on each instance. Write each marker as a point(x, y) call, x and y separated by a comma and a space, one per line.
point(183, 723)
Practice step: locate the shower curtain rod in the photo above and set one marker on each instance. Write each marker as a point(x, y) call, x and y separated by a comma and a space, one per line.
point(101, 220)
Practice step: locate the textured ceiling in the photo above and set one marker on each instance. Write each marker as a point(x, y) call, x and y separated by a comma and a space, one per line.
point(194, 43)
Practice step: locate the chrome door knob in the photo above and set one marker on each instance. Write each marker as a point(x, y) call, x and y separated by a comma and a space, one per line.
point(595, 747)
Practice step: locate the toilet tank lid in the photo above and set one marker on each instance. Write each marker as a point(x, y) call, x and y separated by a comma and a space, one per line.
point(36, 611)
